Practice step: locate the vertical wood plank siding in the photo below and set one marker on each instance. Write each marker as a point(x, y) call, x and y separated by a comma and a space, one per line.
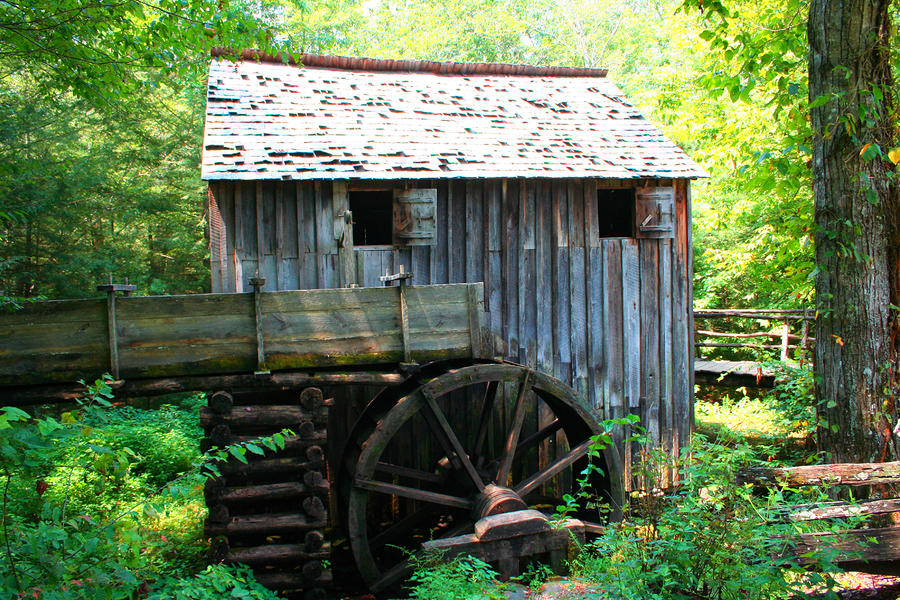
point(609, 316)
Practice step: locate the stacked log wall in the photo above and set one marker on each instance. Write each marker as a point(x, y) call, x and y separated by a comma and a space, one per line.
point(271, 512)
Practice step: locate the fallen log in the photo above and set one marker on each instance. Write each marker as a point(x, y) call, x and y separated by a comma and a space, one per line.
point(851, 474)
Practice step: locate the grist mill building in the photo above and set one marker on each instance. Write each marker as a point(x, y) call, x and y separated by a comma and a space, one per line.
point(545, 183)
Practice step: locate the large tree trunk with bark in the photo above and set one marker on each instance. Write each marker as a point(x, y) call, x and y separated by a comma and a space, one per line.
point(856, 216)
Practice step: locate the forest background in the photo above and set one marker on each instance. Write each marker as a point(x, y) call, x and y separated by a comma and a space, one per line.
point(101, 127)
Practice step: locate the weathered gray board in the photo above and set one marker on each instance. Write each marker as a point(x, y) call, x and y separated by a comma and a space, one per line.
point(609, 316)
point(66, 340)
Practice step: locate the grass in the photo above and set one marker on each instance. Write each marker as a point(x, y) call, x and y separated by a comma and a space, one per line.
point(753, 418)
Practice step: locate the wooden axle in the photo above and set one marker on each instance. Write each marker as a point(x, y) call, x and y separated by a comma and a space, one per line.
point(504, 539)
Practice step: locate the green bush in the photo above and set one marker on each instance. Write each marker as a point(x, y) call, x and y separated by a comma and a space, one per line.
point(462, 578)
point(215, 583)
point(84, 515)
point(52, 550)
point(165, 442)
point(794, 397)
point(709, 539)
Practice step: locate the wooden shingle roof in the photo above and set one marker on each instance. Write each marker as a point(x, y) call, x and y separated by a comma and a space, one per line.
point(339, 118)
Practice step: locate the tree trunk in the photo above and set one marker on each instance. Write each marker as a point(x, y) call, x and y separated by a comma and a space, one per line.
point(856, 216)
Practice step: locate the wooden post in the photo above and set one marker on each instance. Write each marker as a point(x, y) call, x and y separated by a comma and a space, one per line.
point(112, 327)
point(785, 340)
point(402, 277)
point(258, 283)
point(346, 262)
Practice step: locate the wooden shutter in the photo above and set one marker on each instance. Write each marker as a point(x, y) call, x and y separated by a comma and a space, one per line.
point(414, 217)
point(218, 252)
point(655, 212)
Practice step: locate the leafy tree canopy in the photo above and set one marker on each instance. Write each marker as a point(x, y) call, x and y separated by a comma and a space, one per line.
point(105, 49)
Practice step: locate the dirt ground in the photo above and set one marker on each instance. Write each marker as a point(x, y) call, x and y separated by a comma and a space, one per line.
point(863, 586)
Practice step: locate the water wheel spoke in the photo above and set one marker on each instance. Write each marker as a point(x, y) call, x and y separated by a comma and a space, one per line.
point(438, 432)
point(454, 441)
point(487, 407)
point(542, 476)
point(395, 574)
point(403, 569)
point(412, 493)
point(539, 436)
point(407, 472)
point(512, 438)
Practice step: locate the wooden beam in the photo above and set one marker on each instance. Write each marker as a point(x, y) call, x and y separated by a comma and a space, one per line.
point(839, 510)
point(138, 388)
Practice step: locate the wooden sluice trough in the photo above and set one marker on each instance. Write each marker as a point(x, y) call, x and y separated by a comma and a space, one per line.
point(446, 437)
point(158, 337)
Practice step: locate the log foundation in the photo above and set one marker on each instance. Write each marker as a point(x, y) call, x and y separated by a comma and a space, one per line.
point(271, 513)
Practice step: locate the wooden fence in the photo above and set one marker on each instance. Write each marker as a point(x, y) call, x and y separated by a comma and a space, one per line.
point(794, 329)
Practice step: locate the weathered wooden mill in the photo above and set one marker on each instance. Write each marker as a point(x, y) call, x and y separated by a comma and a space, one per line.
point(538, 230)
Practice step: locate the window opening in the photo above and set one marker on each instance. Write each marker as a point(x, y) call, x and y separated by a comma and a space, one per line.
point(615, 212)
point(373, 212)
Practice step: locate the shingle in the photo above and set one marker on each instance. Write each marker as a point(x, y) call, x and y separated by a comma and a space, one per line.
point(394, 124)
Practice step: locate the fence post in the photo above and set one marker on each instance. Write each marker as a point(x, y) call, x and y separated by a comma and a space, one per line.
point(804, 339)
point(785, 339)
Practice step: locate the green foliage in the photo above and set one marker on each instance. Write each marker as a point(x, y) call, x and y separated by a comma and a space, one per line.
point(102, 191)
point(794, 398)
point(84, 514)
point(462, 578)
point(710, 538)
point(779, 424)
point(163, 442)
point(61, 550)
point(534, 576)
point(753, 219)
point(583, 496)
point(105, 51)
point(100, 122)
point(214, 583)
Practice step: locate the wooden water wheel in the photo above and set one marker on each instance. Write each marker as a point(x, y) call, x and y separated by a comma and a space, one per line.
point(428, 459)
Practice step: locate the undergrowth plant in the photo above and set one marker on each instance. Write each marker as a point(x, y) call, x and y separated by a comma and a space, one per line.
point(214, 583)
point(708, 538)
point(87, 495)
point(583, 495)
point(794, 397)
point(463, 577)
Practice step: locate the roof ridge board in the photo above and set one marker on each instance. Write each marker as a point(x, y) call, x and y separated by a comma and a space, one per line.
point(347, 63)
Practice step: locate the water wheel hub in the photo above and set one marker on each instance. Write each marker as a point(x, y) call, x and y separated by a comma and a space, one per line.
point(496, 500)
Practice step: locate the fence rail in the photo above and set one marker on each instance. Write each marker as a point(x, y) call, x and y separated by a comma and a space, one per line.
point(787, 318)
